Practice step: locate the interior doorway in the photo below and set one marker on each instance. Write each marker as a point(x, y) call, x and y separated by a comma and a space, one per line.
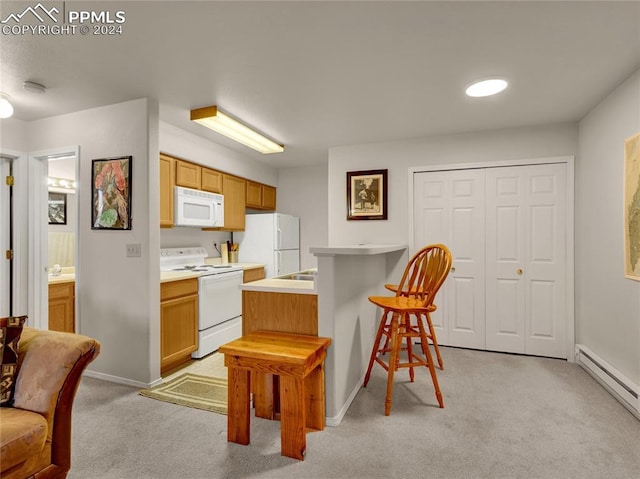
point(53, 210)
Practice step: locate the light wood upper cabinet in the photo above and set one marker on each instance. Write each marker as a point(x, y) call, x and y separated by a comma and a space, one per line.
point(188, 174)
point(167, 182)
point(268, 197)
point(211, 180)
point(234, 191)
point(62, 307)
point(239, 193)
point(260, 197)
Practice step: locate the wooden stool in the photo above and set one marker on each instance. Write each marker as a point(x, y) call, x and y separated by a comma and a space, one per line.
point(298, 360)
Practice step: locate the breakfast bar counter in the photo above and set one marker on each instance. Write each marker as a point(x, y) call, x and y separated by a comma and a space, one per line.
point(333, 304)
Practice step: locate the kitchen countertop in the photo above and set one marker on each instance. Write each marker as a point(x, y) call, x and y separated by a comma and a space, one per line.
point(62, 278)
point(278, 285)
point(357, 249)
point(166, 276)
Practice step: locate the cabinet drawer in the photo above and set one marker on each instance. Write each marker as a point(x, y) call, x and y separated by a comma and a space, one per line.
point(253, 274)
point(176, 289)
point(61, 290)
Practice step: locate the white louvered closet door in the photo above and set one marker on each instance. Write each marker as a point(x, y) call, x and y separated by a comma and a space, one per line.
point(449, 209)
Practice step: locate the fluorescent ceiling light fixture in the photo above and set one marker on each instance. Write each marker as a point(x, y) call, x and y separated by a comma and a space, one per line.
point(6, 108)
point(222, 123)
point(486, 87)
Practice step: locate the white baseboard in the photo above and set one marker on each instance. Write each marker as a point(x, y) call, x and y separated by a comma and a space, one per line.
point(119, 380)
point(620, 387)
point(337, 419)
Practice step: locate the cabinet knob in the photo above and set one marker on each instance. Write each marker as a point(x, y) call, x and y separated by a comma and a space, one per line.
point(519, 271)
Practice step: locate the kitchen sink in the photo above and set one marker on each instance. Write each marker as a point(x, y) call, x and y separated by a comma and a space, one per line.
point(301, 276)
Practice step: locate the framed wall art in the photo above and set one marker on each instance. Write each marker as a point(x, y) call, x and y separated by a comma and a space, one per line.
point(111, 193)
point(367, 195)
point(57, 208)
point(632, 208)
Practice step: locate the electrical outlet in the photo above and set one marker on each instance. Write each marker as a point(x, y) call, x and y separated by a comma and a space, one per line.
point(134, 250)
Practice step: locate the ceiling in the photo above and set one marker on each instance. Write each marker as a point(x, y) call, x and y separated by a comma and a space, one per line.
point(314, 75)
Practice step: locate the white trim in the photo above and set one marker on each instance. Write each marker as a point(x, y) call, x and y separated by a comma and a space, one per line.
point(20, 256)
point(616, 383)
point(119, 380)
point(570, 162)
point(337, 419)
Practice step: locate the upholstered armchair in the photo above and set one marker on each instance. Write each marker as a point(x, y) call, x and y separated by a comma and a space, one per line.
point(35, 431)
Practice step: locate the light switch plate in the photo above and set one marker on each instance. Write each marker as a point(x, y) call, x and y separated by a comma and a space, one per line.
point(134, 250)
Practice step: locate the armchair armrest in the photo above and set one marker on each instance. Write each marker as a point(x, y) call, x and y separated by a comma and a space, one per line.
point(50, 366)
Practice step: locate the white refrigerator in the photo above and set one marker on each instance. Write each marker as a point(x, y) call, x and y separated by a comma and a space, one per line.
point(272, 239)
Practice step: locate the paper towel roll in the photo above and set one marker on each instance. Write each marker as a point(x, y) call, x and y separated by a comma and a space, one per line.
point(224, 253)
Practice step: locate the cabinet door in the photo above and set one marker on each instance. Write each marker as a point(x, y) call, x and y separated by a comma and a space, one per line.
point(254, 195)
point(167, 182)
point(234, 191)
point(449, 209)
point(62, 307)
point(211, 180)
point(188, 174)
point(178, 330)
point(268, 197)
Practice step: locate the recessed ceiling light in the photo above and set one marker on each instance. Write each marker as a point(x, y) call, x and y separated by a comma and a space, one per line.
point(487, 87)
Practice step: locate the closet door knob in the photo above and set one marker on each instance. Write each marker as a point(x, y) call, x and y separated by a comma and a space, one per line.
point(519, 271)
point(453, 269)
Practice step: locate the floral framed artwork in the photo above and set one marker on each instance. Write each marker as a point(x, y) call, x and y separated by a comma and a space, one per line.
point(111, 193)
point(57, 208)
point(367, 195)
point(632, 207)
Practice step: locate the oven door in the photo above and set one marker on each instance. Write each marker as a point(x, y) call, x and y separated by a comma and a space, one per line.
point(219, 298)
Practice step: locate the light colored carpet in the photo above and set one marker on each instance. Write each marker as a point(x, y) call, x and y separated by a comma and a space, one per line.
point(505, 417)
point(192, 390)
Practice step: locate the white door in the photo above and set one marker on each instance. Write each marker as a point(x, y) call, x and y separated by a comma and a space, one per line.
point(526, 214)
point(287, 261)
point(449, 209)
point(287, 232)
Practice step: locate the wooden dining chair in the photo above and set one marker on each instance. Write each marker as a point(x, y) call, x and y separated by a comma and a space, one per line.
point(402, 318)
point(431, 334)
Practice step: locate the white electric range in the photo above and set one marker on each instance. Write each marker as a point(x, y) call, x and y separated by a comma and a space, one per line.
point(219, 296)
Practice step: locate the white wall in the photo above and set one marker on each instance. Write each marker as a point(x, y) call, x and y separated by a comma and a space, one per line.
point(399, 156)
point(302, 192)
point(607, 304)
point(14, 134)
point(118, 297)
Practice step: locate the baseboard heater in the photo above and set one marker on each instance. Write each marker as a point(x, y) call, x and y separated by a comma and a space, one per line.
point(621, 387)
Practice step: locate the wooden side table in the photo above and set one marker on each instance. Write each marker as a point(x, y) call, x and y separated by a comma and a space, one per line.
point(298, 360)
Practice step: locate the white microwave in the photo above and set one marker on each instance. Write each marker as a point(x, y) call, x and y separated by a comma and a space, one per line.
point(198, 208)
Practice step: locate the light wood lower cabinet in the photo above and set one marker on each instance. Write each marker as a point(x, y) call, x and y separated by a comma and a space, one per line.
point(281, 312)
point(253, 274)
point(62, 307)
point(178, 322)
